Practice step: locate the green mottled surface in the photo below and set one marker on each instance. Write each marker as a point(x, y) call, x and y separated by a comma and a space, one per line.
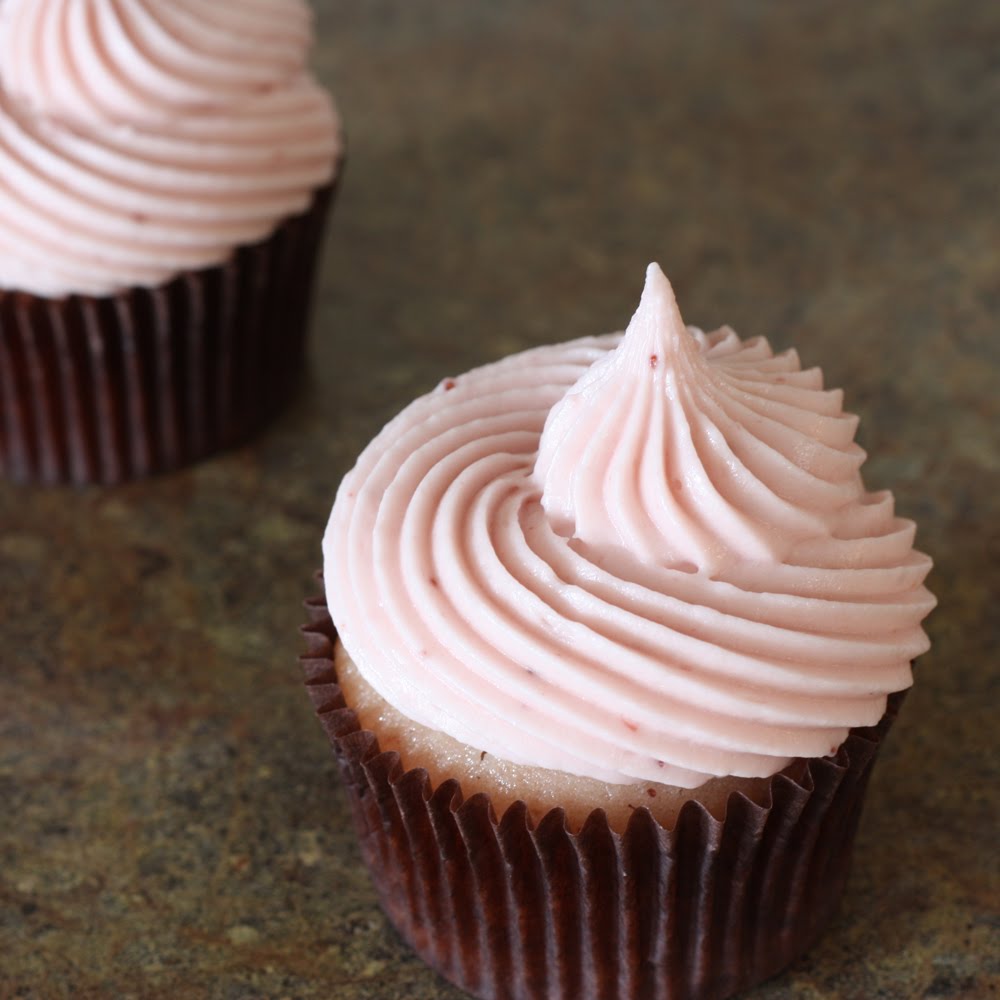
point(824, 174)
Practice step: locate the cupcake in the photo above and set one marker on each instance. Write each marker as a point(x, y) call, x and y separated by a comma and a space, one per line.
point(612, 634)
point(165, 170)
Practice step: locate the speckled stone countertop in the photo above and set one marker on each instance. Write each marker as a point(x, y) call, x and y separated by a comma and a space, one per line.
point(824, 174)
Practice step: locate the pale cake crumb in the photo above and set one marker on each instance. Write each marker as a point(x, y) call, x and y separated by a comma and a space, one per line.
point(541, 789)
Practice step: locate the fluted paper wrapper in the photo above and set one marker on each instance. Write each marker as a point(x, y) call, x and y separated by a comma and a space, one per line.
point(111, 388)
point(511, 910)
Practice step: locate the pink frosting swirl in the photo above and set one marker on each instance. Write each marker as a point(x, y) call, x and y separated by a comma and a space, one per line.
point(638, 558)
point(143, 138)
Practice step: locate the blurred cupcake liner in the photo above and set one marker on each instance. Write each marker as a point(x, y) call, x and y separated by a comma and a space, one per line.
point(510, 910)
point(120, 387)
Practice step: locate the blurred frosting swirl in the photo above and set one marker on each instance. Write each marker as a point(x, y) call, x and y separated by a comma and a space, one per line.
point(143, 138)
point(638, 557)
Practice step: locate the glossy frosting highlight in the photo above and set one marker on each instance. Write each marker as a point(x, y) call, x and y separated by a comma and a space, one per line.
point(647, 557)
point(143, 138)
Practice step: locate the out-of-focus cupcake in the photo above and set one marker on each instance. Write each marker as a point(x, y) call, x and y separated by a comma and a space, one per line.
point(165, 171)
point(620, 633)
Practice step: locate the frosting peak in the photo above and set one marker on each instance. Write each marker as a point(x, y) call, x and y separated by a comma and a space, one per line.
point(672, 450)
point(656, 339)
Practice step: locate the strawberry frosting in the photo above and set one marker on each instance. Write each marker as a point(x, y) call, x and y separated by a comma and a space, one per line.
point(143, 138)
point(646, 556)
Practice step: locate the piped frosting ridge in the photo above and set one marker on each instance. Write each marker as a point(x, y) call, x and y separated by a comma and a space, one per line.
point(143, 138)
point(638, 557)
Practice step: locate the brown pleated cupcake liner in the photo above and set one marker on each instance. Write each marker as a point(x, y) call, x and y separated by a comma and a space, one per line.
point(512, 910)
point(114, 388)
